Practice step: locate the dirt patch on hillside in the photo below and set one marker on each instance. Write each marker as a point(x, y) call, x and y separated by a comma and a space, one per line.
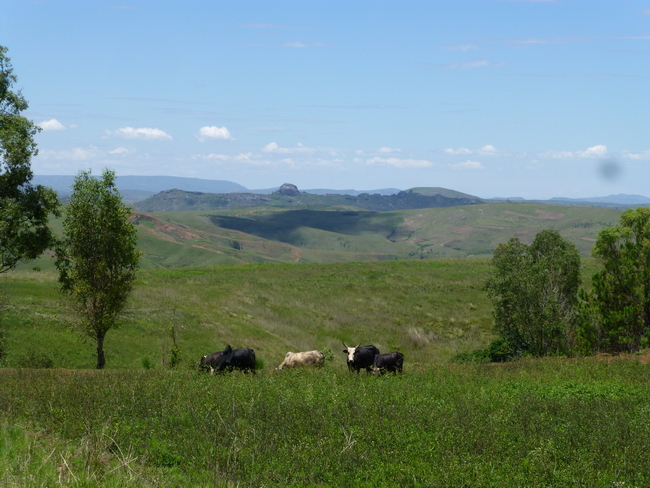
point(466, 229)
point(541, 215)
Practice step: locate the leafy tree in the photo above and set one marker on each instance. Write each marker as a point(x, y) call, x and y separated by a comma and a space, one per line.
point(534, 291)
point(24, 208)
point(97, 258)
point(621, 290)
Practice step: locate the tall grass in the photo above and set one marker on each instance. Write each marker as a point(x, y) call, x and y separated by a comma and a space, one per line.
point(429, 310)
point(536, 423)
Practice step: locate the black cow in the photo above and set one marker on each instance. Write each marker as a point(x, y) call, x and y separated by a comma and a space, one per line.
point(210, 361)
point(360, 357)
point(389, 362)
point(243, 359)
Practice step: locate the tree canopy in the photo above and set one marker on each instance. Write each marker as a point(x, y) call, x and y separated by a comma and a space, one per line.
point(24, 208)
point(97, 257)
point(534, 291)
point(621, 290)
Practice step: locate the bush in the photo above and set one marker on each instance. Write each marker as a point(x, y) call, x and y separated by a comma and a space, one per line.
point(499, 351)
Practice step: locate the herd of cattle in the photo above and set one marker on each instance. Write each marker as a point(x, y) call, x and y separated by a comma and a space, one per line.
point(357, 358)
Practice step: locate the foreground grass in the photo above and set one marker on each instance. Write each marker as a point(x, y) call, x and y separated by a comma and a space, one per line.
point(537, 423)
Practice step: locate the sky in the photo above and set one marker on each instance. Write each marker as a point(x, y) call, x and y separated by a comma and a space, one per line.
point(496, 98)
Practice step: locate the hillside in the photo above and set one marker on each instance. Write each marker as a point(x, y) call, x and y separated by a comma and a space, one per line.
point(177, 200)
point(306, 234)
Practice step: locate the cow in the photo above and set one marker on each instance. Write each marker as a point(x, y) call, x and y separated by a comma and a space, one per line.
point(243, 359)
point(210, 361)
point(360, 357)
point(307, 358)
point(389, 362)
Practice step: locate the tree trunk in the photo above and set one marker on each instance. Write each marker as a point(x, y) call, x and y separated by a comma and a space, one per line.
point(101, 361)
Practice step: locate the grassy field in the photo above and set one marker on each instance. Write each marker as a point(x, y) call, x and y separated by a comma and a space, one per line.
point(428, 309)
point(527, 424)
point(558, 422)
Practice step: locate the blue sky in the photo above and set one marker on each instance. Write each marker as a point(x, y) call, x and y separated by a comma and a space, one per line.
point(531, 98)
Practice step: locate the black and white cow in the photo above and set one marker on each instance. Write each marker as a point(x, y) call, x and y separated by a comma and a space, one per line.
point(360, 357)
point(210, 361)
point(389, 362)
point(243, 359)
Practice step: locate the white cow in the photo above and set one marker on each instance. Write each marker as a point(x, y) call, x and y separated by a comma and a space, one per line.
point(307, 358)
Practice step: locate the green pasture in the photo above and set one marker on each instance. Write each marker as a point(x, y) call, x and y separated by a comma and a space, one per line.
point(428, 309)
point(553, 423)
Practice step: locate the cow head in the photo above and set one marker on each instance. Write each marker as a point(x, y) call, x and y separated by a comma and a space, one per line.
point(349, 350)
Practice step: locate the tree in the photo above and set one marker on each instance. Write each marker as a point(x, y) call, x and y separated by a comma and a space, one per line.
point(534, 291)
point(97, 258)
point(24, 208)
point(621, 290)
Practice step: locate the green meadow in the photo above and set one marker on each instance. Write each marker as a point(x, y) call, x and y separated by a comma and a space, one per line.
point(140, 422)
point(279, 280)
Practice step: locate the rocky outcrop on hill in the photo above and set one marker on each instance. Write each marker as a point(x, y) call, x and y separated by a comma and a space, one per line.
point(289, 190)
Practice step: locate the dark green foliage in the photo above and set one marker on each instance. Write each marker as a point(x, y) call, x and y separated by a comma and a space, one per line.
point(499, 351)
point(619, 306)
point(24, 208)
point(534, 292)
point(97, 257)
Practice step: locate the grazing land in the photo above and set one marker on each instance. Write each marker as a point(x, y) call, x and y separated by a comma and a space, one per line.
point(546, 423)
point(140, 422)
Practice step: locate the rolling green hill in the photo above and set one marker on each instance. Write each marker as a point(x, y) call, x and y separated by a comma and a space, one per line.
point(337, 234)
point(319, 234)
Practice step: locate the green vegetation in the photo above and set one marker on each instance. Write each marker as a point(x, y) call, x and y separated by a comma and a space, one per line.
point(97, 257)
point(534, 290)
point(428, 309)
point(24, 208)
point(546, 424)
point(618, 310)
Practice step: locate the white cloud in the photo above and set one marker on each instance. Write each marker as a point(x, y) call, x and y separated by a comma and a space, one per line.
point(52, 124)
point(401, 163)
point(468, 165)
point(77, 154)
point(119, 150)
point(273, 147)
point(388, 150)
point(213, 133)
point(244, 157)
point(599, 151)
point(142, 133)
point(488, 149)
point(637, 156)
point(460, 150)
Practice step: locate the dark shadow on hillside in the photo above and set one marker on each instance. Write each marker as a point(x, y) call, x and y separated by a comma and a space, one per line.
point(282, 226)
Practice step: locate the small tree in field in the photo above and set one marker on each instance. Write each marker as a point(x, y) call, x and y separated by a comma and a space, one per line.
point(24, 208)
point(534, 291)
point(97, 258)
point(621, 290)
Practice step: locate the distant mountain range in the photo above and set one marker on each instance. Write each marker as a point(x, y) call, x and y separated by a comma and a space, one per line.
point(138, 188)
